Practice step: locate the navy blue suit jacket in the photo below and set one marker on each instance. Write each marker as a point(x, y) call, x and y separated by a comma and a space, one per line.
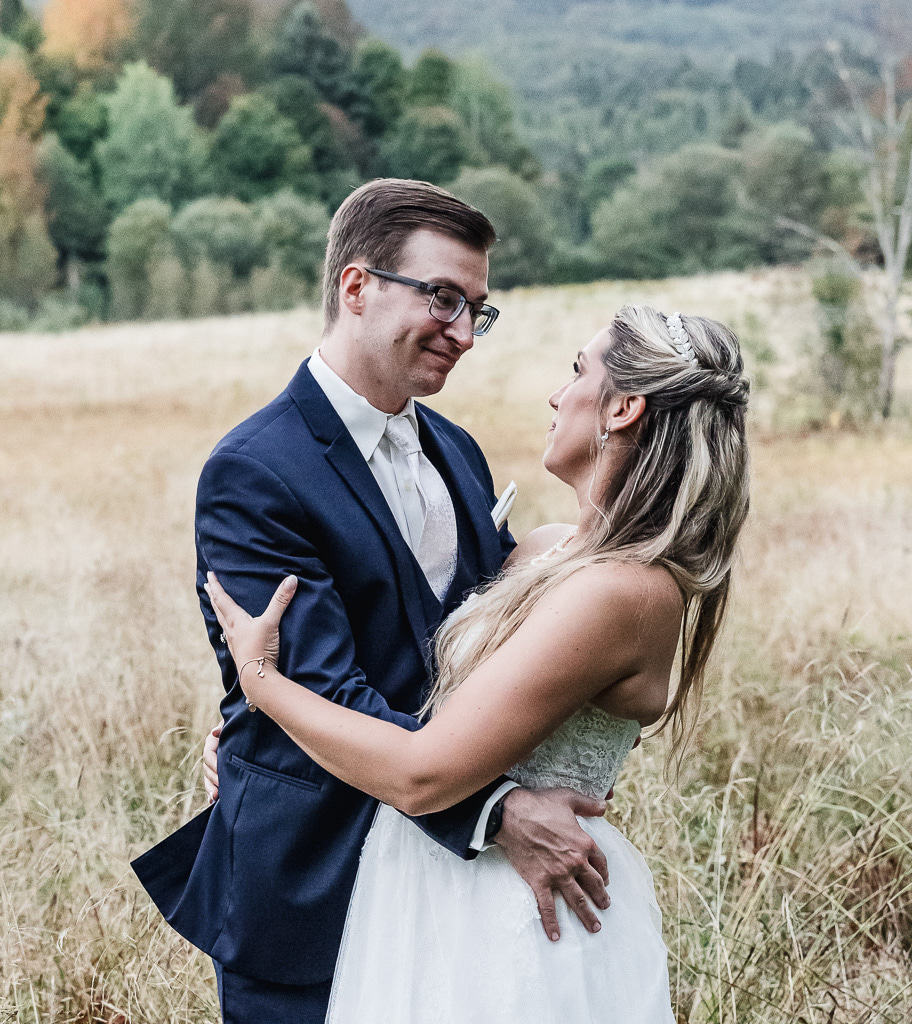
point(261, 880)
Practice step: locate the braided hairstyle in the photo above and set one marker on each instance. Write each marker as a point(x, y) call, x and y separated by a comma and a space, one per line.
point(682, 496)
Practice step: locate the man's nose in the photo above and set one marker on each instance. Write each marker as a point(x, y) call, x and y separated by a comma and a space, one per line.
point(460, 329)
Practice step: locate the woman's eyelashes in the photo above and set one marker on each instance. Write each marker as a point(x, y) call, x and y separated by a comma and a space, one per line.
point(576, 368)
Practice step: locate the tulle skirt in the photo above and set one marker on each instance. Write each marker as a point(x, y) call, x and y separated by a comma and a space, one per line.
point(432, 939)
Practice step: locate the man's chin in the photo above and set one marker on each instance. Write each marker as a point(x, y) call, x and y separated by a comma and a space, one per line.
point(429, 384)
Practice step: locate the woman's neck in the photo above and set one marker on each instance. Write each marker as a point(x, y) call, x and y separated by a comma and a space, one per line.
point(589, 520)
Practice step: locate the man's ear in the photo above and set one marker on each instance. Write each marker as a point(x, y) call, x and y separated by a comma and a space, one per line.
point(352, 282)
point(626, 410)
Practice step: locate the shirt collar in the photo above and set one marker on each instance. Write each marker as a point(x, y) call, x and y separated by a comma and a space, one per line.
point(364, 422)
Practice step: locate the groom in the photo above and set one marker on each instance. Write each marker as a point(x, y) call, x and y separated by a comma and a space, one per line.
point(382, 509)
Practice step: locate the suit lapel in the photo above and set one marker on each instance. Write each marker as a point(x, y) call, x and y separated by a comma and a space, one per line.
point(341, 452)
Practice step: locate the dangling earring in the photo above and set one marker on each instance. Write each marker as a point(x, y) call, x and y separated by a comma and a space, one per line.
point(604, 437)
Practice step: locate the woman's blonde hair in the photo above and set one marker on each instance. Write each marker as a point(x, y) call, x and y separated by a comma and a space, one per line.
point(679, 500)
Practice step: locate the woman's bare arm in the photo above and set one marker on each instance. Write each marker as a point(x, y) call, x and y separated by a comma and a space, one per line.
point(599, 628)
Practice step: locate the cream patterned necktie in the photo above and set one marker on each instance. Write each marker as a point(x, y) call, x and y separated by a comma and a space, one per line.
point(427, 504)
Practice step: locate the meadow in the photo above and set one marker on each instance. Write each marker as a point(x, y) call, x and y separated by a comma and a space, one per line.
point(783, 853)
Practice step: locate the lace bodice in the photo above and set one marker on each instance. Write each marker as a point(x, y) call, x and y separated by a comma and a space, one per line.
point(585, 753)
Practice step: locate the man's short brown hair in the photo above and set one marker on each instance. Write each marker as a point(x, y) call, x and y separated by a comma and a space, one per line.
point(376, 220)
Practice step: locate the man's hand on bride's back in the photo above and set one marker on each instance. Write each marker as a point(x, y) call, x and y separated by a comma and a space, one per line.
point(544, 842)
point(210, 762)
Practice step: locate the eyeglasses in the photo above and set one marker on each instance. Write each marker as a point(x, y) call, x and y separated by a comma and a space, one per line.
point(446, 303)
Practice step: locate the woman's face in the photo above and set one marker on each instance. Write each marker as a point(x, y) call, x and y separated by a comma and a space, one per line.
point(575, 429)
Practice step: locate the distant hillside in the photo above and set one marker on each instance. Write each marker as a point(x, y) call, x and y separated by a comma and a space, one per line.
point(576, 65)
point(542, 46)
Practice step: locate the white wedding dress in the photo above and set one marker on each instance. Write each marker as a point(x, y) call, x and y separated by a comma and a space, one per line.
point(433, 939)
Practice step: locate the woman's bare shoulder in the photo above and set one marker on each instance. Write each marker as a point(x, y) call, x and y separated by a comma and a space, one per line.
point(640, 608)
point(538, 542)
point(645, 590)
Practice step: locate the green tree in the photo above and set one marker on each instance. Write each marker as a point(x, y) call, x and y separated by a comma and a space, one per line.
point(195, 42)
point(432, 80)
point(486, 108)
point(58, 78)
point(11, 13)
point(256, 150)
point(845, 217)
point(785, 181)
point(334, 142)
point(850, 360)
point(77, 214)
point(775, 89)
point(785, 171)
point(80, 121)
point(153, 147)
point(304, 46)
point(293, 231)
point(138, 238)
point(574, 193)
point(297, 99)
point(680, 215)
point(379, 82)
point(222, 230)
point(430, 143)
point(603, 177)
point(524, 230)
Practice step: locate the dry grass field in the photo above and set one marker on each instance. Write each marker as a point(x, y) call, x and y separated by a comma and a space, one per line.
point(783, 856)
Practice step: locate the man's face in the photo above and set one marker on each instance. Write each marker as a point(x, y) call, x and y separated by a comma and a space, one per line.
point(409, 353)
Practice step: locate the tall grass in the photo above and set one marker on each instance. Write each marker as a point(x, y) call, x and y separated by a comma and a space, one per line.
point(783, 856)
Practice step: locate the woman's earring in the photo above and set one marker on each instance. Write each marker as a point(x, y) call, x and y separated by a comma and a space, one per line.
point(604, 437)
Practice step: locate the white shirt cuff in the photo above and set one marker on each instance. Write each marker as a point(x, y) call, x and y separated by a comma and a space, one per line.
point(478, 836)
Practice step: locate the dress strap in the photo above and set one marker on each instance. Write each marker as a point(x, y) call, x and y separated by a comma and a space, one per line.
point(556, 549)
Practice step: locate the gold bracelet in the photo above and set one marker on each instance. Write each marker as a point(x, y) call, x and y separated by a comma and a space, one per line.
point(260, 662)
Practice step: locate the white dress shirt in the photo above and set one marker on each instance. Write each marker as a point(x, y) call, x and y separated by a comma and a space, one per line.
point(367, 426)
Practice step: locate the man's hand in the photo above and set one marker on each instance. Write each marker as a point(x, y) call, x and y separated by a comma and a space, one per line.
point(546, 846)
point(210, 762)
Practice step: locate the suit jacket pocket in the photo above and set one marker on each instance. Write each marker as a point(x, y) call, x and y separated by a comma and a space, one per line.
point(270, 773)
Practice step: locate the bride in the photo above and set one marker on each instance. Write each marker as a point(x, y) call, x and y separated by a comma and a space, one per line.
point(546, 675)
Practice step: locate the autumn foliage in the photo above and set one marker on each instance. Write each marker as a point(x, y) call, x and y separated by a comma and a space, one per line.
point(27, 257)
point(88, 31)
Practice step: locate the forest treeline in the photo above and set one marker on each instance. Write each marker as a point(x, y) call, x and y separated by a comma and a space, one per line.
point(166, 158)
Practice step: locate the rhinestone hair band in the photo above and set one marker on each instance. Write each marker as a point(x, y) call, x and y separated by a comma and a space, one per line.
point(680, 338)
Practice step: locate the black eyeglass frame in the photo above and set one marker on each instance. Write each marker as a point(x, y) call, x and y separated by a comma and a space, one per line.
point(476, 309)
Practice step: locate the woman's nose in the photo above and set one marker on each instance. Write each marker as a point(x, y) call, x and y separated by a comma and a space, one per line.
point(555, 398)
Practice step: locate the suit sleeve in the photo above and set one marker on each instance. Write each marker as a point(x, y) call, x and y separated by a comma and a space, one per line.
point(252, 532)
